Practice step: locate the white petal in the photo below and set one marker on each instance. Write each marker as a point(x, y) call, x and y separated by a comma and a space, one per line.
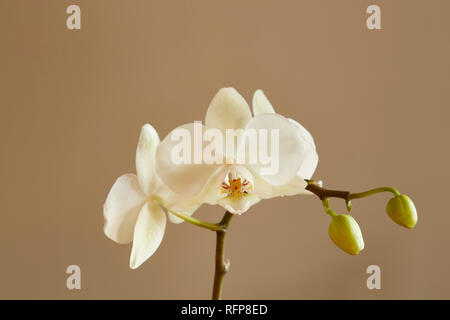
point(172, 201)
point(148, 233)
point(121, 208)
point(212, 191)
point(261, 104)
point(145, 157)
point(305, 134)
point(265, 190)
point(177, 203)
point(309, 164)
point(187, 180)
point(210, 194)
point(311, 159)
point(239, 206)
point(227, 110)
point(283, 166)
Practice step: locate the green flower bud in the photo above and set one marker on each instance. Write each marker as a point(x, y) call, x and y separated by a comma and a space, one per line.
point(346, 234)
point(401, 209)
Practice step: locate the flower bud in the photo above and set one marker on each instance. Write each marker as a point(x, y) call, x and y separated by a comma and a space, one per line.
point(401, 209)
point(346, 234)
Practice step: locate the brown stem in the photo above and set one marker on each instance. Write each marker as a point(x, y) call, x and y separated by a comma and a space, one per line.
point(221, 266)
point(346, 195)
point(323, 193)
point(326, 193)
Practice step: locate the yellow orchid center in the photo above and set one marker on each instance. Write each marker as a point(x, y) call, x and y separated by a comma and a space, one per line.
point(236, 188)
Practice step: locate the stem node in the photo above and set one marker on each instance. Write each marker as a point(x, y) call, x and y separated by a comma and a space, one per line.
point(222, 266)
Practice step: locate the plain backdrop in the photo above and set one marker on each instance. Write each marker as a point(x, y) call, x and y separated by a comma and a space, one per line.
point(72, 103)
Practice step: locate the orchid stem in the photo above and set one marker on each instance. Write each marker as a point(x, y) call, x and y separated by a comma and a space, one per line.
point(372, 192)
point(220, 228)
point(326, 205)
point(211, 226)
point(222, 266)
point(324, 194)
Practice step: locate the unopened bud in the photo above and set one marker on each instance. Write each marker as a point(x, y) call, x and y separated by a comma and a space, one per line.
point(402, 211)
point(346, 234)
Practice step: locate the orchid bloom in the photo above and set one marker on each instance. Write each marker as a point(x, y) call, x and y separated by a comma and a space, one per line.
point(233, 185)
point(133, 208)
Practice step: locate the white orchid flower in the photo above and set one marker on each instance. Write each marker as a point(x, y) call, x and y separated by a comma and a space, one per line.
point(132, 209)
point(233, 185)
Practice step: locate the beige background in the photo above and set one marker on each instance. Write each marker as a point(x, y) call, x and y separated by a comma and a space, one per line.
point(72, 104)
